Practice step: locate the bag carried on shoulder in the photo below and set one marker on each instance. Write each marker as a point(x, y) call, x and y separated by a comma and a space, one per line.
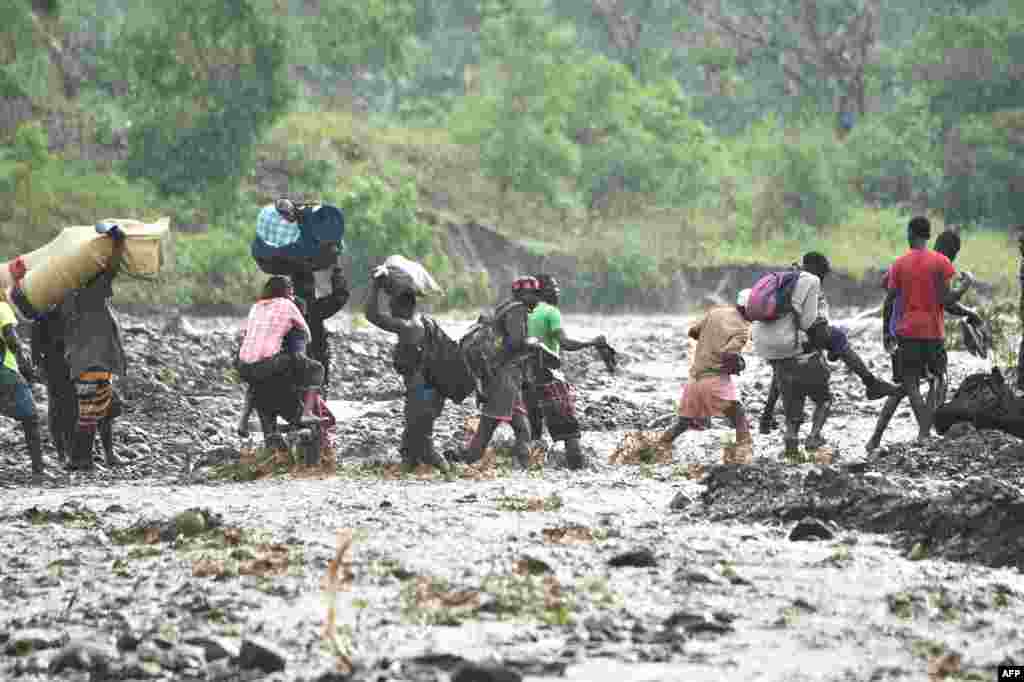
point(771, 297)
point(482, 345)
point(444, 365)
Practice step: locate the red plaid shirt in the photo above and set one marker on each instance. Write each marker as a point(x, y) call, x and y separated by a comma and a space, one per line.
point(269, 321)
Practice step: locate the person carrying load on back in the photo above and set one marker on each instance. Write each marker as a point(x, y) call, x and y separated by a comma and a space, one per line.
point(721, 336)
point(505, 373)
point(95, 355)
point(948, 244)
point(49, 355)
point(921, 279)
point(16, 399)
point(423, 400)
point(264, 357)
point(833, 340)
point(315, 311)
point(550, 399)
point(776, 331)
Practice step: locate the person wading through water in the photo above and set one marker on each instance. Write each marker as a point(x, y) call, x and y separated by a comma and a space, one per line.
point(95, 355)
point(550, 399)
point(503, 389)
point(423, 402)
point(16, 399)
point(315, 311)
point(798, 373)
point(823, 336)
point(710, 392)
point(928, 360)
point(267, 361)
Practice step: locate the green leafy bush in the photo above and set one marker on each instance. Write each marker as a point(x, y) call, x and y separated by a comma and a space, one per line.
point(381, 219)
point(208, 79)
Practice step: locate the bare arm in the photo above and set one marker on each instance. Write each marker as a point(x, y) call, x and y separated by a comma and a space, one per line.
point(378, 317)
point(328, 306)
point(947, 294)
point(890, 300)
point(575, 344)
point(696, 329)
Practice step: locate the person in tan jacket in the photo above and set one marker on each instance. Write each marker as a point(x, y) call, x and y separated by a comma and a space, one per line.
point(710, 392)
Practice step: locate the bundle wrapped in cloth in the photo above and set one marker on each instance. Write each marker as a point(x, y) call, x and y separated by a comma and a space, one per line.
point(407, 275)
point(306, 237)
point(42, 278)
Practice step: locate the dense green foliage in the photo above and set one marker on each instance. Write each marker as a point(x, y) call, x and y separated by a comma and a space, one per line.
point(207, 80)
point(640, 136)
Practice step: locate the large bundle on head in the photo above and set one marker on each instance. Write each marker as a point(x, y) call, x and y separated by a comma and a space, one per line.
point(407, 275)
point(312, 242)
point(43, 277)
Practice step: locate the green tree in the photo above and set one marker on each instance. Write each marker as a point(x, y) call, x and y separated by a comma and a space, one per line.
point(381, 219)
point(518, 119)
point(207, 79)
point(34, 197)
point(970, 68)
point(24, 61)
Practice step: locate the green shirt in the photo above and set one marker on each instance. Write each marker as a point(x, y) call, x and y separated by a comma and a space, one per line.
point(545, 323)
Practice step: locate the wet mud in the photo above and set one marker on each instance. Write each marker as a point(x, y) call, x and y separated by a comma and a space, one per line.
point(899, 565)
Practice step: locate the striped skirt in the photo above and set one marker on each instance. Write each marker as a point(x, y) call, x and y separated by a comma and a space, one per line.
point(95, 398)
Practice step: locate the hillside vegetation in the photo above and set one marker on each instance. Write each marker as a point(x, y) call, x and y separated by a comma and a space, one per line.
point(641, 138)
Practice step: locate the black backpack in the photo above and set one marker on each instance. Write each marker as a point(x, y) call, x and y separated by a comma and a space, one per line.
point(444, 365)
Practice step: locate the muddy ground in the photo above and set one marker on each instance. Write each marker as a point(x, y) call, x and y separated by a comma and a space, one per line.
point(911, 570)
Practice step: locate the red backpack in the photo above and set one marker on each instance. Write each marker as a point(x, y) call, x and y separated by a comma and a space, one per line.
point(771, 297)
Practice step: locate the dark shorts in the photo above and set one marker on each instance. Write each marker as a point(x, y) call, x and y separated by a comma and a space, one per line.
point(296, 368)
point(916, 358)
point(553, 403)
point(805, 376)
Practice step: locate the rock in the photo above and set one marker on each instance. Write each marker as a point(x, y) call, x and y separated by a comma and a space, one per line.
point(694, 623)
point(128, 641)
point(680, 501)
point(215, 648)
point(700, 577)
point(473, 672)
point(640, 558)
point(189, 523)
point(260, 654)
point(82, 655)
point(959, 430)
point(24, 642)
point(810, 528)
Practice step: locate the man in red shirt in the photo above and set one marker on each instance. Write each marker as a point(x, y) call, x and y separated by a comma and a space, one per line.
point(921, 279)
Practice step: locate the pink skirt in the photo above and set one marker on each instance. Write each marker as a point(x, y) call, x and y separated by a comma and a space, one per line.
point(708, 397)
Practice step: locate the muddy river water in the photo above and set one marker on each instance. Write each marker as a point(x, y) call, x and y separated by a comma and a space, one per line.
point(903, 564)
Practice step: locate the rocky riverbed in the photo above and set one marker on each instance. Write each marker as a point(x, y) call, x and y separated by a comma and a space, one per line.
point(899, 565)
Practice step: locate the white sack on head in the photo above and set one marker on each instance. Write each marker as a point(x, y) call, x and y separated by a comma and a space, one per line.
point(405, 275)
